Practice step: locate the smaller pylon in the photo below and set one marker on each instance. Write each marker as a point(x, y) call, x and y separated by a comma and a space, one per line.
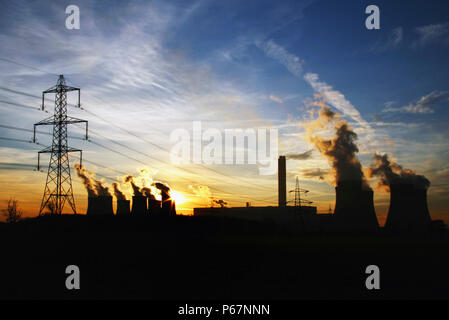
point(299, 201)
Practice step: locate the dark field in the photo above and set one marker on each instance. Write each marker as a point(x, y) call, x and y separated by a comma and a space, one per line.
point(186, 258)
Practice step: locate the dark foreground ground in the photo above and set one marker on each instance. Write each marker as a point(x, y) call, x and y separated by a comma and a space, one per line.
point(204, 258)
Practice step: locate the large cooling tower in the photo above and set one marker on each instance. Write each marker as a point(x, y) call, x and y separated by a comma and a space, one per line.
point(101, 205)
point(408, 209)
point(139, 206)
point(354, 207)
point(123, 207)
point(154, 206)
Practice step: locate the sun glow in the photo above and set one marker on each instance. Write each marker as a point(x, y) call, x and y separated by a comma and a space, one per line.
point(178, 197)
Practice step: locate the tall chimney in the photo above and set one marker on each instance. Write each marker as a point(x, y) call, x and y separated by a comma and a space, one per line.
point(354, 207)
point(139, 206)
point(282, 182)
point(408, 210)
point(123, 207)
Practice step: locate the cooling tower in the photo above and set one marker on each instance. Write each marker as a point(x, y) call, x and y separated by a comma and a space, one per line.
point(92, 205)
point(354, 207)
point(173, 208)
point(101, 205)
point(105, 205)
point(123, 207)
point(139, 206)
point(154, 206)
point(168, 208)
point(282, 182)
point(408, 209)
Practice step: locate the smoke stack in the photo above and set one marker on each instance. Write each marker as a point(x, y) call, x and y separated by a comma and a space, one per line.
point(408, 209)
point(282, 182)
point(354, 206)
point(123, 207)
point(139, 206)
point(154, 206)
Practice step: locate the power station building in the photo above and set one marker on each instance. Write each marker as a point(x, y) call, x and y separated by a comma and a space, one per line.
point(306, 216)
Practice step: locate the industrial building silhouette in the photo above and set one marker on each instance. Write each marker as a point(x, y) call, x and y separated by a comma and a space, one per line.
point(141, 206)
point(354, 209)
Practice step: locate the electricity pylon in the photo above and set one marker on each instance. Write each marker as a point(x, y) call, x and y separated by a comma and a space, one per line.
point(299, 201)
point(58, 187)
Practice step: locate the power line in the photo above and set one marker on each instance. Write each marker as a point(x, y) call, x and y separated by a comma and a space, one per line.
point(27, 66)
point(16, 140)
point(19, 105)
point(241, 196)
point(155, 145)
point(30, 130)
point(130, 133)
point(168, 151)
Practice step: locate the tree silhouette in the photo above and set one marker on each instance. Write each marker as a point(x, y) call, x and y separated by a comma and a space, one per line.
point(12, 212)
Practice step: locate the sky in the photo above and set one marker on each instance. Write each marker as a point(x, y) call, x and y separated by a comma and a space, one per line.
point(147, 68)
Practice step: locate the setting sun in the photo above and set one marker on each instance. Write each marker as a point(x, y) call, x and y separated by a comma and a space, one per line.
point(178, 197)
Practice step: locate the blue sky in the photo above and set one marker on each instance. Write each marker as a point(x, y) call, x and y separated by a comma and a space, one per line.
point(154, 66)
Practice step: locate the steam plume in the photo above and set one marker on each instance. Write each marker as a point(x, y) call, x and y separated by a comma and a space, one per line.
point(86, 179)
point(221, 202)
point(390, 173)
point(101, 189)
point(117, 192)
point(148, 193)
point(165, 190)
point(340, 150)
point(136, 189)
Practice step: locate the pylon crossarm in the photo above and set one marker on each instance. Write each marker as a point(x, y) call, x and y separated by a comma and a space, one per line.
point(59, 88)
point(47, 121)
point(70, 120)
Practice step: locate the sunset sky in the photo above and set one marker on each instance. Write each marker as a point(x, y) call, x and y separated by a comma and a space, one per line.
point(146, 68)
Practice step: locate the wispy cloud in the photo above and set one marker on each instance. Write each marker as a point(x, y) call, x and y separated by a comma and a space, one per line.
point(393, 41)
point(314, 174)
point(432, 34)
point(293, 63)
point(335, 98)
point(276, 98)
point(425, 105)
point(300, 156)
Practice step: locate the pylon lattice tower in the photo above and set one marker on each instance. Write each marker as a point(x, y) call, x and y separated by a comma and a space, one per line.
point(299, 201)
point(58, 187)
